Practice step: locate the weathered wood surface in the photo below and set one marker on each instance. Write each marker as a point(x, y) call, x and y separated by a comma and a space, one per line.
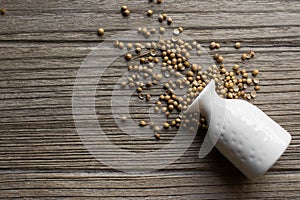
point(42, 45)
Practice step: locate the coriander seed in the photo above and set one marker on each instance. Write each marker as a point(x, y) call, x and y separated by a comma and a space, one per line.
point(139, 89)
point(166, 125)
point(212, 45)
point(256, 81)
point(160, 18)
point(123, 118)
point(129, 46)
point(257, 87)
point(143, 123)
point(153, 31)
point(126, 13)
point(128, 56)
point(101, 31)
point(138, 50)
point(116, 43)
point(162, 30)
point(157, 136)
point(169, 20)
point(218, 45)
point(149, 13)
point(3, 11)
point(253, 94)
point(237, 45)
point(156, 128)
point(220, 59)
point(164, 16)
point(123, 8)
point(121, 45)
point(251, 53)
point(148, 97)
point(159, 1)
point(255, 72)
point(180, 29)
point(171, 107)
point(244, 56)
point(249, 81)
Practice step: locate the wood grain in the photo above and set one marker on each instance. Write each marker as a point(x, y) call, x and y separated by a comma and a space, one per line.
point(43, 44)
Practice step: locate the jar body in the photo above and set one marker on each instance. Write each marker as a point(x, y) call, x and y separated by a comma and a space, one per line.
point(249, 138)
point(243, 133)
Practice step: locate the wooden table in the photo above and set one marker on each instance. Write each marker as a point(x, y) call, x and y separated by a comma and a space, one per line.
point(42, 45)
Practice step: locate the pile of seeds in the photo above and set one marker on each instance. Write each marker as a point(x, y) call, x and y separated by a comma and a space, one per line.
point(173, 58)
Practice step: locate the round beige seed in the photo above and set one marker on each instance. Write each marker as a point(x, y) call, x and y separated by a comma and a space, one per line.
point(149, 13)
point(166, 125)
point(143, 123)
point(157, 136)
point(126, 13)
point(244, 56)
point(237, 45)
point(220, 59)
point(128, 56)
point(235, 67)
point(101, 31)
point(255, 72)
point(123, 8)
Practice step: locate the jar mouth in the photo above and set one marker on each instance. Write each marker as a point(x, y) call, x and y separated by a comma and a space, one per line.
point(194, 106)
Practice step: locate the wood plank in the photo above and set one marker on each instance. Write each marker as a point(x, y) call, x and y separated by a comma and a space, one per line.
point(42, 45)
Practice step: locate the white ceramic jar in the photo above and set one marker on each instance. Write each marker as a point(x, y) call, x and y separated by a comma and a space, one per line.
point(243, 133)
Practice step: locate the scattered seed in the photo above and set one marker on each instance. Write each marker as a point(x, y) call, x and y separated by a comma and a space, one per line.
point(256, 80)
point(149, 13)
point(218, 46)
point(157, 136)
point(159, 1)
point(116, 43)
point(123, 118)
point(249, 81)
point(169, 20)
point(128, 56)
point(101, 31)
point(141, 96)
point(139, 89)
point(148, 97)
point(176, 32)
point(126, 13)
point(237, 45)
point(212, 45)
point(121, 45)
point(3, 11)
point(160, 18)
point(256, 87)
point(180, 29)
point(235, 67)
point(123, 8)
point(255, 72)
point(129, 46)
point(138, 50)
point(166, 125)
point(153, 31)
point(248, 96)
point(244, 56)
point(156, 128)
point(143, 123)
point(220, 59)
